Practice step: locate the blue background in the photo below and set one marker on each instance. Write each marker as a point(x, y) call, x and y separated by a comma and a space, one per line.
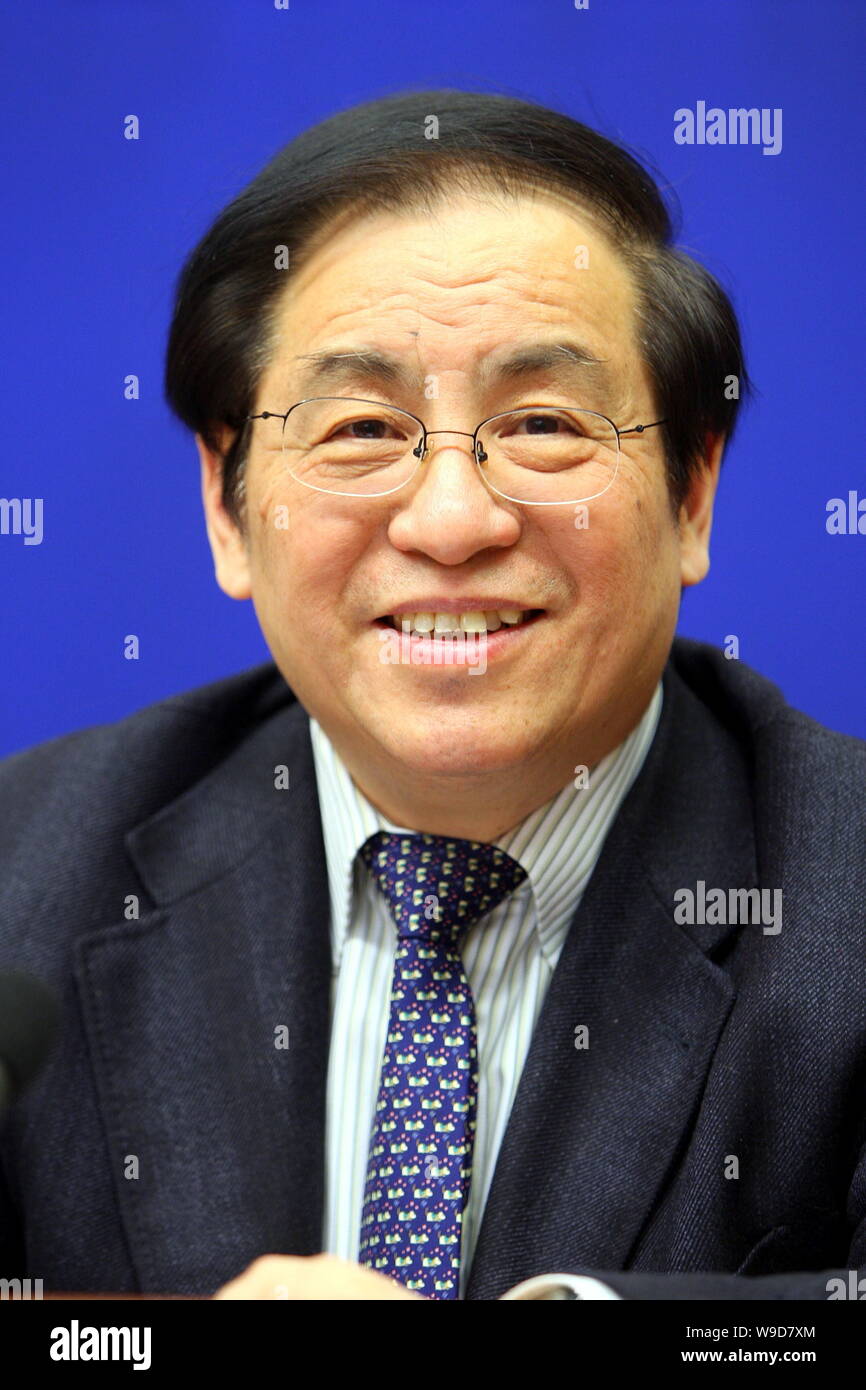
point(96, 227)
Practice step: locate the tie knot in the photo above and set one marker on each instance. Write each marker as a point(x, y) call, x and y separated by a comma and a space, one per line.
point(436, 886)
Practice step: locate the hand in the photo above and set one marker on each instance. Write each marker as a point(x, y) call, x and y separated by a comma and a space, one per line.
point(311, 1276)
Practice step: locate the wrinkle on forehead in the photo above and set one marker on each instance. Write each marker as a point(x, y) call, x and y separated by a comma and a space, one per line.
point(452, 307)
point(442, 254)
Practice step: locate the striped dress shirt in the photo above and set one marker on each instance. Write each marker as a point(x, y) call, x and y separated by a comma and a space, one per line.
point(509, 957)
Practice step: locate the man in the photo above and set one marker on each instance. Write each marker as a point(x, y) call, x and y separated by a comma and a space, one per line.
point(492, 942)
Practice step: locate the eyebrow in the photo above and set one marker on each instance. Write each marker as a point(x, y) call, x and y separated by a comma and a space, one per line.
point(566, 359)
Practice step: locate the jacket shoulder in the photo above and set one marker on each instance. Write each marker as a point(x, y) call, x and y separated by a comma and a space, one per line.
point(797, 761)
point(131, 766)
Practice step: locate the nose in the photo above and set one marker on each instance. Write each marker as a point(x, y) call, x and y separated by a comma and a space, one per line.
point(447, 511)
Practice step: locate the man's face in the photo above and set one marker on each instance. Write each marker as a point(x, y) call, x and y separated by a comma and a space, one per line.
point(446, 295)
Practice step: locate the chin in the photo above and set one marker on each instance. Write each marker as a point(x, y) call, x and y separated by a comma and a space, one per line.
point(454, 747)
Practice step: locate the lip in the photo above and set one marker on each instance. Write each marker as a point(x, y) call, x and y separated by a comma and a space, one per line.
point(470, 604)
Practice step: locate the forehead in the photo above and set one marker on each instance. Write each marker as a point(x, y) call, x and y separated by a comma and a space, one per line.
point(456, 287)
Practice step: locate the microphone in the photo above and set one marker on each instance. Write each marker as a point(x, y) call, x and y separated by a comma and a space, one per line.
point(29, 1017)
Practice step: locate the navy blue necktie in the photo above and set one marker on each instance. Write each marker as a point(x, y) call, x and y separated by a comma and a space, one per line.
point(420, 1162)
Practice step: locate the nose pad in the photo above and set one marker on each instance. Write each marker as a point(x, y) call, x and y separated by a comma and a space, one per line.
point(421, 451)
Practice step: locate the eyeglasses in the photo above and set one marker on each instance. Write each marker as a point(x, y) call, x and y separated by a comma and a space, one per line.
point(539, 456)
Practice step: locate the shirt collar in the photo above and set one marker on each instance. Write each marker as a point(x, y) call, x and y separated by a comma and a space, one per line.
point(558, 844)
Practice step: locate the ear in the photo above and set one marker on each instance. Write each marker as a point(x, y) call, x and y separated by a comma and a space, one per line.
point(228, 543)
point(696, 514)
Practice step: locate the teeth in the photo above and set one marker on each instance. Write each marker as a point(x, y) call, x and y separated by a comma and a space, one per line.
point(471, 621)
point(447, 622)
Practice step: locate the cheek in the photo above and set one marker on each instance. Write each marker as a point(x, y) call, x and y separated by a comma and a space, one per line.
point(305, 551)
point(652, 563)
point(624, 551)
point(648, 537)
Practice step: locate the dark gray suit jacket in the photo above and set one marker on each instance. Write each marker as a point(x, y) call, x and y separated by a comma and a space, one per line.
point(168, 1142)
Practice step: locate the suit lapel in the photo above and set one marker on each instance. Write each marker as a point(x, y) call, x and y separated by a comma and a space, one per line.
point(595, 1131)
point(208, 1021)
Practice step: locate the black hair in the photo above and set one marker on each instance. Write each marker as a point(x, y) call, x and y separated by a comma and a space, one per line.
point(380, 156)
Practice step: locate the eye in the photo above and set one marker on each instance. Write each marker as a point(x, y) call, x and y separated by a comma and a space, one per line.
point(369, 428)
point(548, 422)
point(365, 429)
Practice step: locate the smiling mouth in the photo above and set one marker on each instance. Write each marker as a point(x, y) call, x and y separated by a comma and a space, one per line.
point(434, 625)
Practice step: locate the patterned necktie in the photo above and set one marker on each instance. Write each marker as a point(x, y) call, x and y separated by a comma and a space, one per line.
point(420, 1162)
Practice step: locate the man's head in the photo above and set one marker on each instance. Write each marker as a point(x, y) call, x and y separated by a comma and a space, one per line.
point(517, 228)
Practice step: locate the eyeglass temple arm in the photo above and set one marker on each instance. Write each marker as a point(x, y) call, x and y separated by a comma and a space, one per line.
point(639, 429)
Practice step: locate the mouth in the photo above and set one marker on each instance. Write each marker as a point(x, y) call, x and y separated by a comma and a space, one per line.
point(432, 623)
